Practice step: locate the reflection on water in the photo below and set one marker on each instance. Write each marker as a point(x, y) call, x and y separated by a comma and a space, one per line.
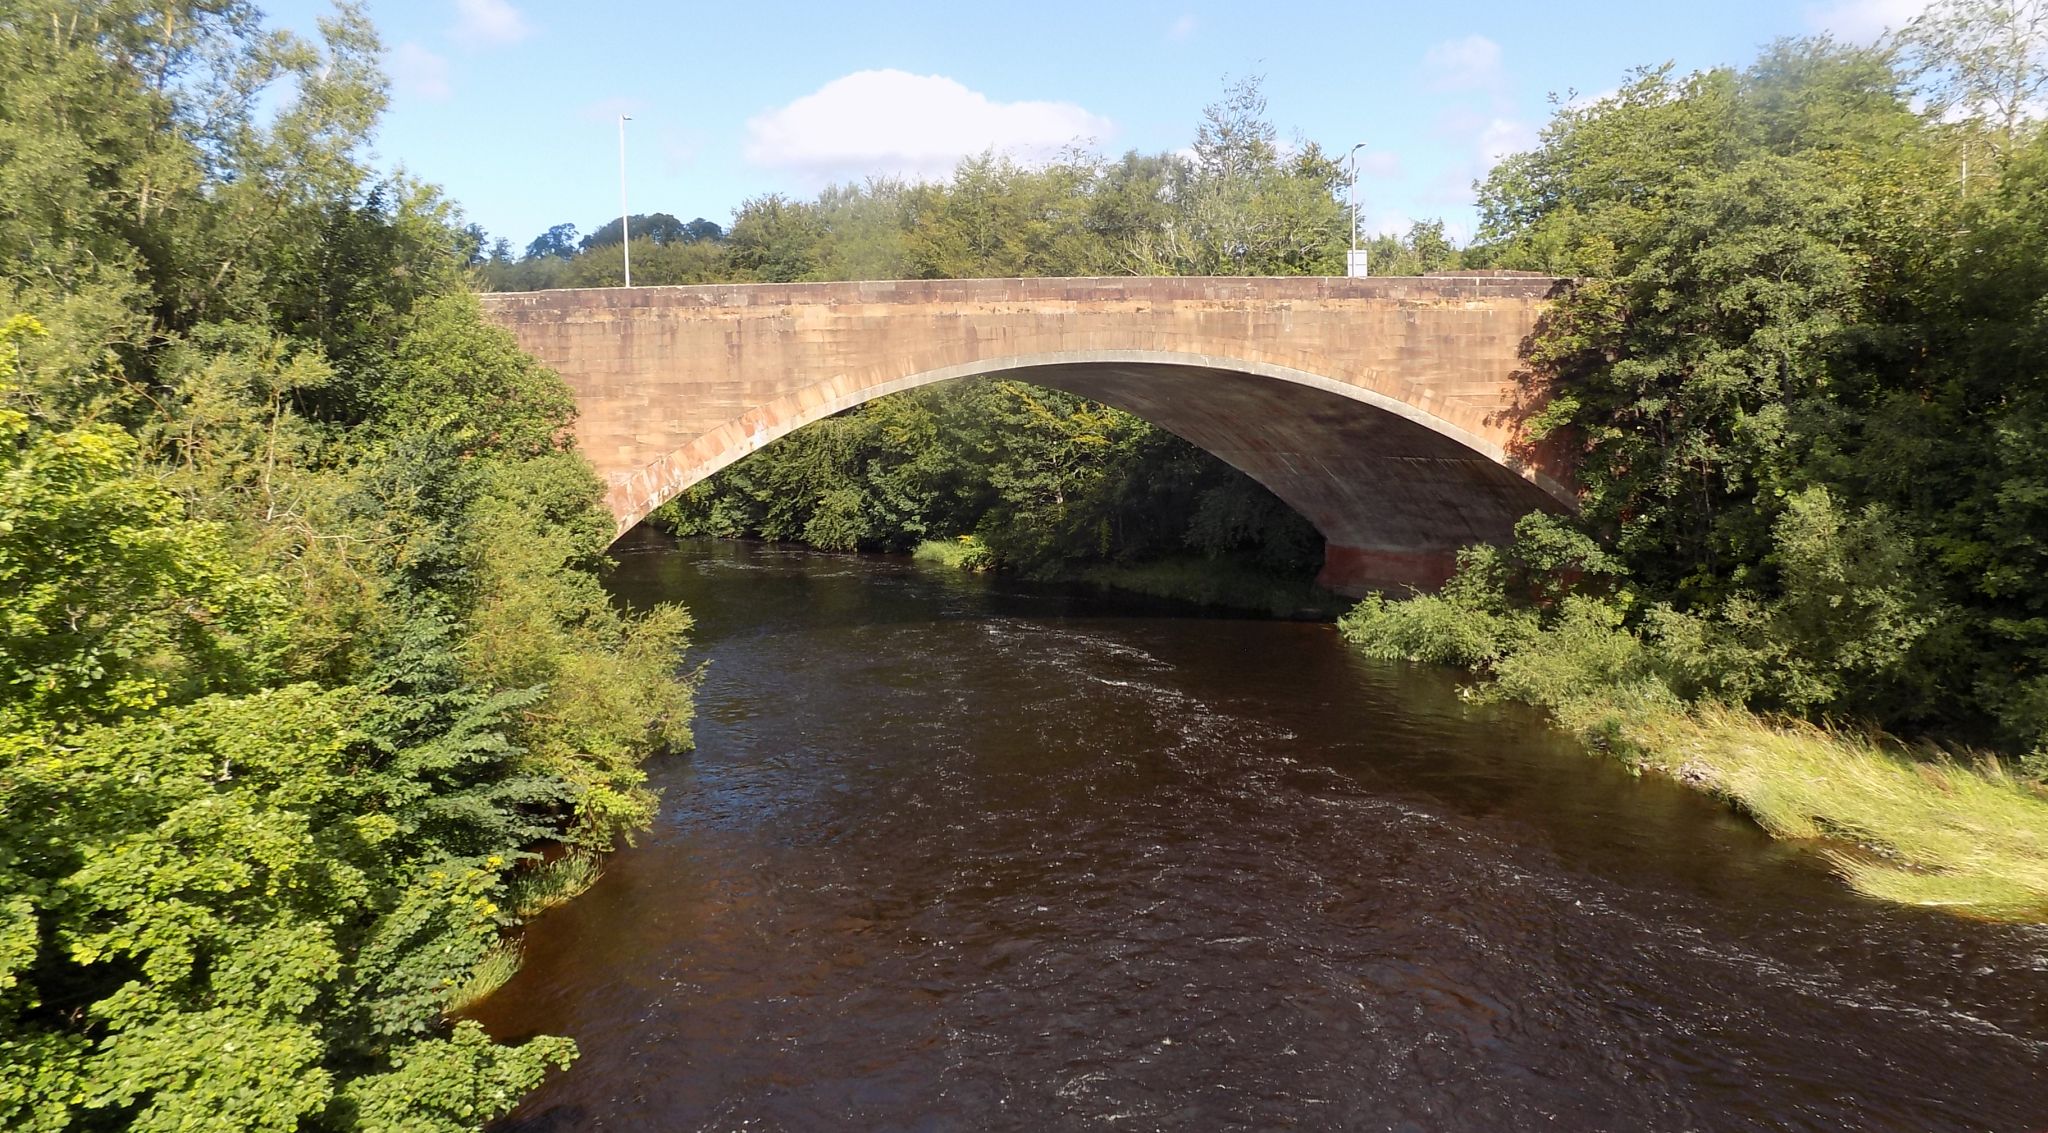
point(959, 854)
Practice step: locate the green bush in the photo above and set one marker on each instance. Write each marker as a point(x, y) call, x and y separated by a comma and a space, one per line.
point(966, 553)
point(1584, 655)
point(1471, 623)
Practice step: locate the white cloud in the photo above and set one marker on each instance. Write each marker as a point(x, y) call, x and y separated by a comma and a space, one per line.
point(1503, 136)
point(1182, 28)
point(415, 70)
point(1474, 144)
point(1470, 63)
point(890, 121)
point(488, 23)
point(1492, 136)
point(1862, 21)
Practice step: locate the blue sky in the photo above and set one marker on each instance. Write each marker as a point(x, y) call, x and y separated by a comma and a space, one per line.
point(511, 105)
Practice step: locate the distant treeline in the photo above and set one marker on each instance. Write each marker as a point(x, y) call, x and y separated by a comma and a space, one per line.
point(1240, 204)
point(1046, 481)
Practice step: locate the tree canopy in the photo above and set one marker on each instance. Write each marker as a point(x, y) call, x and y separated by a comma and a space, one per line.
point(302, 656)
point(1801, 371)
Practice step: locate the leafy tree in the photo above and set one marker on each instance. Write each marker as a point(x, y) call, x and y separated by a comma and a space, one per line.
point(304, 648)
point(559, 242)
point(699, 230)
point(1235, 142)
point(452, 365)
point(656, 228)
point(997, 219)
point(1797, 372)
point(776, 240)
point(1421, 250)
point(1983, 60)
point(1245, 211)
point(113, 603)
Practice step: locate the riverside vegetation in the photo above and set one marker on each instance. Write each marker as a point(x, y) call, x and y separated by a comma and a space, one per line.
point(1801, 371)
point(1806, 374)
point(303, 653)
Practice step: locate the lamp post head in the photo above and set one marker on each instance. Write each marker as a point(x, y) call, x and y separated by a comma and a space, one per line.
point(1354, 262)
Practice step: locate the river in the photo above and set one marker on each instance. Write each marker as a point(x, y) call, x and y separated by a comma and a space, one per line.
point(959, 854)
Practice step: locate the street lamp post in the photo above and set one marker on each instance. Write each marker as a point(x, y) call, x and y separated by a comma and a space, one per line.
point(1355, 263)
point(625, 223)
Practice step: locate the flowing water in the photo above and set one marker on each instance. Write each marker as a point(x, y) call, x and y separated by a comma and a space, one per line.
point(960, 854)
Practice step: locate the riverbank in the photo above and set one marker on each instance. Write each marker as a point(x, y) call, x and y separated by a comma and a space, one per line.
point(1921, 831)
point(1216, 583)
point(1222, 584)
point(1916, 828)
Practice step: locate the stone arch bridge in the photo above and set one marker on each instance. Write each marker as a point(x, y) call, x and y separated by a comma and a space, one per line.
point(1384, 410)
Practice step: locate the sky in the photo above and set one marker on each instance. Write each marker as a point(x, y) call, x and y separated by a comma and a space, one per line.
point(512, 106)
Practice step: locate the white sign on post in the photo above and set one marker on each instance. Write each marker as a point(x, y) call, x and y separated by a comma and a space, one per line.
point(1354, 263)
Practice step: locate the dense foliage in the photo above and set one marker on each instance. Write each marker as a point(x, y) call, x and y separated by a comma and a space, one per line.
point(302, 654)
point(1804, 376)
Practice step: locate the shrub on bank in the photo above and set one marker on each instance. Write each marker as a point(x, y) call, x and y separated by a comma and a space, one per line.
point(966, 553)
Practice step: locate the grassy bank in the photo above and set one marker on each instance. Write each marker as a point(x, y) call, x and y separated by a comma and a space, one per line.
point(1915, 827)
point(1922, 831)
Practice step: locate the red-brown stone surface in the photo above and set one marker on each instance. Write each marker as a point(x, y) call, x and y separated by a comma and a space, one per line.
point(1384, 410)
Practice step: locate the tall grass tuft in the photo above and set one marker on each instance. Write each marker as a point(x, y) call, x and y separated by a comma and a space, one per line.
point(1972, 839)
point(967, 553)
point(554, 883)
point(491, 973)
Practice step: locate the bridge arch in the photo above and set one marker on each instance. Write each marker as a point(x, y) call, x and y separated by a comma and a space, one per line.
point(1379, 409)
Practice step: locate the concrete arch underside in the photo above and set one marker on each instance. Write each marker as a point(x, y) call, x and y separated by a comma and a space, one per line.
point(1395, 490)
